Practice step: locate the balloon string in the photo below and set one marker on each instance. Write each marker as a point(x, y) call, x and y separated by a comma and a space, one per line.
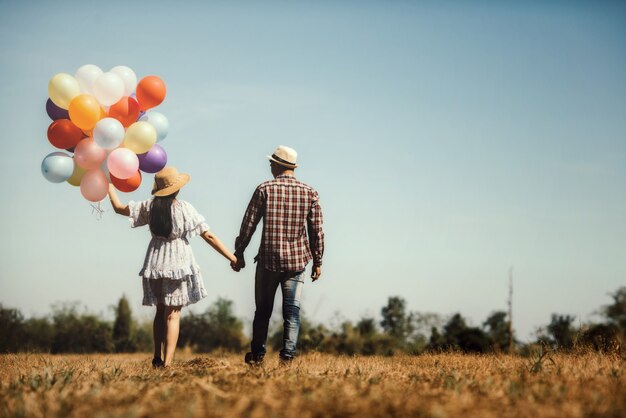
point(97, 210)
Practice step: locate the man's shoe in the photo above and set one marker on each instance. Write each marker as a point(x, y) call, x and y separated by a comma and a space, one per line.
point(285, 361)
point(157, 362)
point(254, 360)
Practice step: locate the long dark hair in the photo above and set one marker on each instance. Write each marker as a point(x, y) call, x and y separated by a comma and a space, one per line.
point(161, 215)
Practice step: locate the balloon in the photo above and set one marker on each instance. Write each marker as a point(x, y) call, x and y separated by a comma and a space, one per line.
point(150, 92)
point(153, 160)
point(126, 111)
point(108, 89)
point(94, 186)
point(64, 134)
point(62, 88)
point(108, 133)
point(77, 175)
point(127, 185)
point(159, 121)
point(57, 167)
point(140, 137)
point(86, 76)
point(88, 154)
point(55, 112)
point(122, 163)
point(85, 111)
point(128, 77)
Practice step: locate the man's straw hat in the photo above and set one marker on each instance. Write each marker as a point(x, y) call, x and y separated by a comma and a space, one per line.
point(168, 181)
point(285, 156)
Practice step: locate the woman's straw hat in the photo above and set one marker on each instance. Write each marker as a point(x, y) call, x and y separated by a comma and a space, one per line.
point(285, 156)
point(168, 181)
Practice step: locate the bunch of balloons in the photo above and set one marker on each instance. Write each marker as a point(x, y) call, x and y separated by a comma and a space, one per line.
point(105, 120)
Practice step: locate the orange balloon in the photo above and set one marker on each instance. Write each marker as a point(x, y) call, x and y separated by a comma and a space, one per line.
point(150, 92)
point(126, 111)
point(85, 111)
point(62, 133)
point(126, 185)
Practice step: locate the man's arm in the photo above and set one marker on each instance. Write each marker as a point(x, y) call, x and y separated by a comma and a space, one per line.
point(315, 220)
point(254, 213)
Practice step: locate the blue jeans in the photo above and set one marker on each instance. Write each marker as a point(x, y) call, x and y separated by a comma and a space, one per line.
point(265, 284)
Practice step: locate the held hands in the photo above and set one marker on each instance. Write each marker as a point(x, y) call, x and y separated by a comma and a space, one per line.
point(237, 264)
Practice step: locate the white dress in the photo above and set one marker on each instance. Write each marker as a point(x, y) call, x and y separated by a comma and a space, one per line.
point(171, 275)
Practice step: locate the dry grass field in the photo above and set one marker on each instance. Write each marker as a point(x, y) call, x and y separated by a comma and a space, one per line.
point(316, 385)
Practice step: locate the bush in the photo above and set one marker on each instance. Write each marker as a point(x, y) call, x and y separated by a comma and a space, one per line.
point(218, 327)
point(79, 333)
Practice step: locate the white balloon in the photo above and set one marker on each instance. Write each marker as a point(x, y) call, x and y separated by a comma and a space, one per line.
point(159, 121)
point(57, 167)
point(128, 76)
point(108, 133)
point(86, 76)
point(108, 89)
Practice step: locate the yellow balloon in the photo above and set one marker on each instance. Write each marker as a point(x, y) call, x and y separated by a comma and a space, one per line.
point(140, 137)
point(85, 111)
point(77, 175)
point(62, 88)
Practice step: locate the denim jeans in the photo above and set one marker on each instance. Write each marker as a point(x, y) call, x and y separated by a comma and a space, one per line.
point(265, 284)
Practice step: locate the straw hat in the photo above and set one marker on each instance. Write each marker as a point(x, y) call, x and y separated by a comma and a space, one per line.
point(168, 181)
point(285, 156)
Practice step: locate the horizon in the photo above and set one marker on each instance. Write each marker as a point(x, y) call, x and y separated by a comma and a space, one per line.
point(449, 142)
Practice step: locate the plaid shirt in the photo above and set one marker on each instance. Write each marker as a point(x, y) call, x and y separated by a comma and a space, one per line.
point(289, 209)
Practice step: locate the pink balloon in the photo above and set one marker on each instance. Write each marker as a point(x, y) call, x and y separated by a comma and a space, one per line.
point(123, 163)
point(88, 154)
point(94, 185)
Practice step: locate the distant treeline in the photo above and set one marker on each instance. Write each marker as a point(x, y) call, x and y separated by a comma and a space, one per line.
point(70, 330)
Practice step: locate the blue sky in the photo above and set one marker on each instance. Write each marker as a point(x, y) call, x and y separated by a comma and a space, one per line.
point(449, 141)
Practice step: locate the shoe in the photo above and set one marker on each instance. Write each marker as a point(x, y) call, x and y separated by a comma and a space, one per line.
point(157, 362)
point(285, 361)
point(254, 360)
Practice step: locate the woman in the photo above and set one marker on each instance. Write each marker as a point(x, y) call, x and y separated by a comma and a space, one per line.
point(171, 277)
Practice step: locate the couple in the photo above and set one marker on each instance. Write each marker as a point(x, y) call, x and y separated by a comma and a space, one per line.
point(171, 277)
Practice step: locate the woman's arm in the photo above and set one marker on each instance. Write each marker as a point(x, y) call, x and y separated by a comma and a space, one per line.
point(215, 242)
point(118, 207)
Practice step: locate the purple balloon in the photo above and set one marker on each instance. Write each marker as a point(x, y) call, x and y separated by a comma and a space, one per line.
point(55, 112)
point(153, 160)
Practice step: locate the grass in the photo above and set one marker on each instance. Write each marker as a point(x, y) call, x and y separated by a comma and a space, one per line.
point(316, 385)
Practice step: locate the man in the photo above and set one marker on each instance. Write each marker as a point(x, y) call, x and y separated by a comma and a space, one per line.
point(289, 209)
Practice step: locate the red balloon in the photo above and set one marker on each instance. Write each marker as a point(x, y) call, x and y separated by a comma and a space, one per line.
point(126, 111)
point(63, 134)
point(126, 185)
point(150, 92)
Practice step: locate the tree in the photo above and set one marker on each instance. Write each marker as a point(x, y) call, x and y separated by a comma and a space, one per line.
point(11, 324)
point(457, 335)
point(561, 332)
point(38, 334)
point(395, 321)
point(616, 312)
point(497, 325)
point(122, 327)
point(604, 338)
point(366, 327)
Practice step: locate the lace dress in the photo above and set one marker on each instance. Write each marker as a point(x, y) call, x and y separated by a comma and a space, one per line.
point(171, 275)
